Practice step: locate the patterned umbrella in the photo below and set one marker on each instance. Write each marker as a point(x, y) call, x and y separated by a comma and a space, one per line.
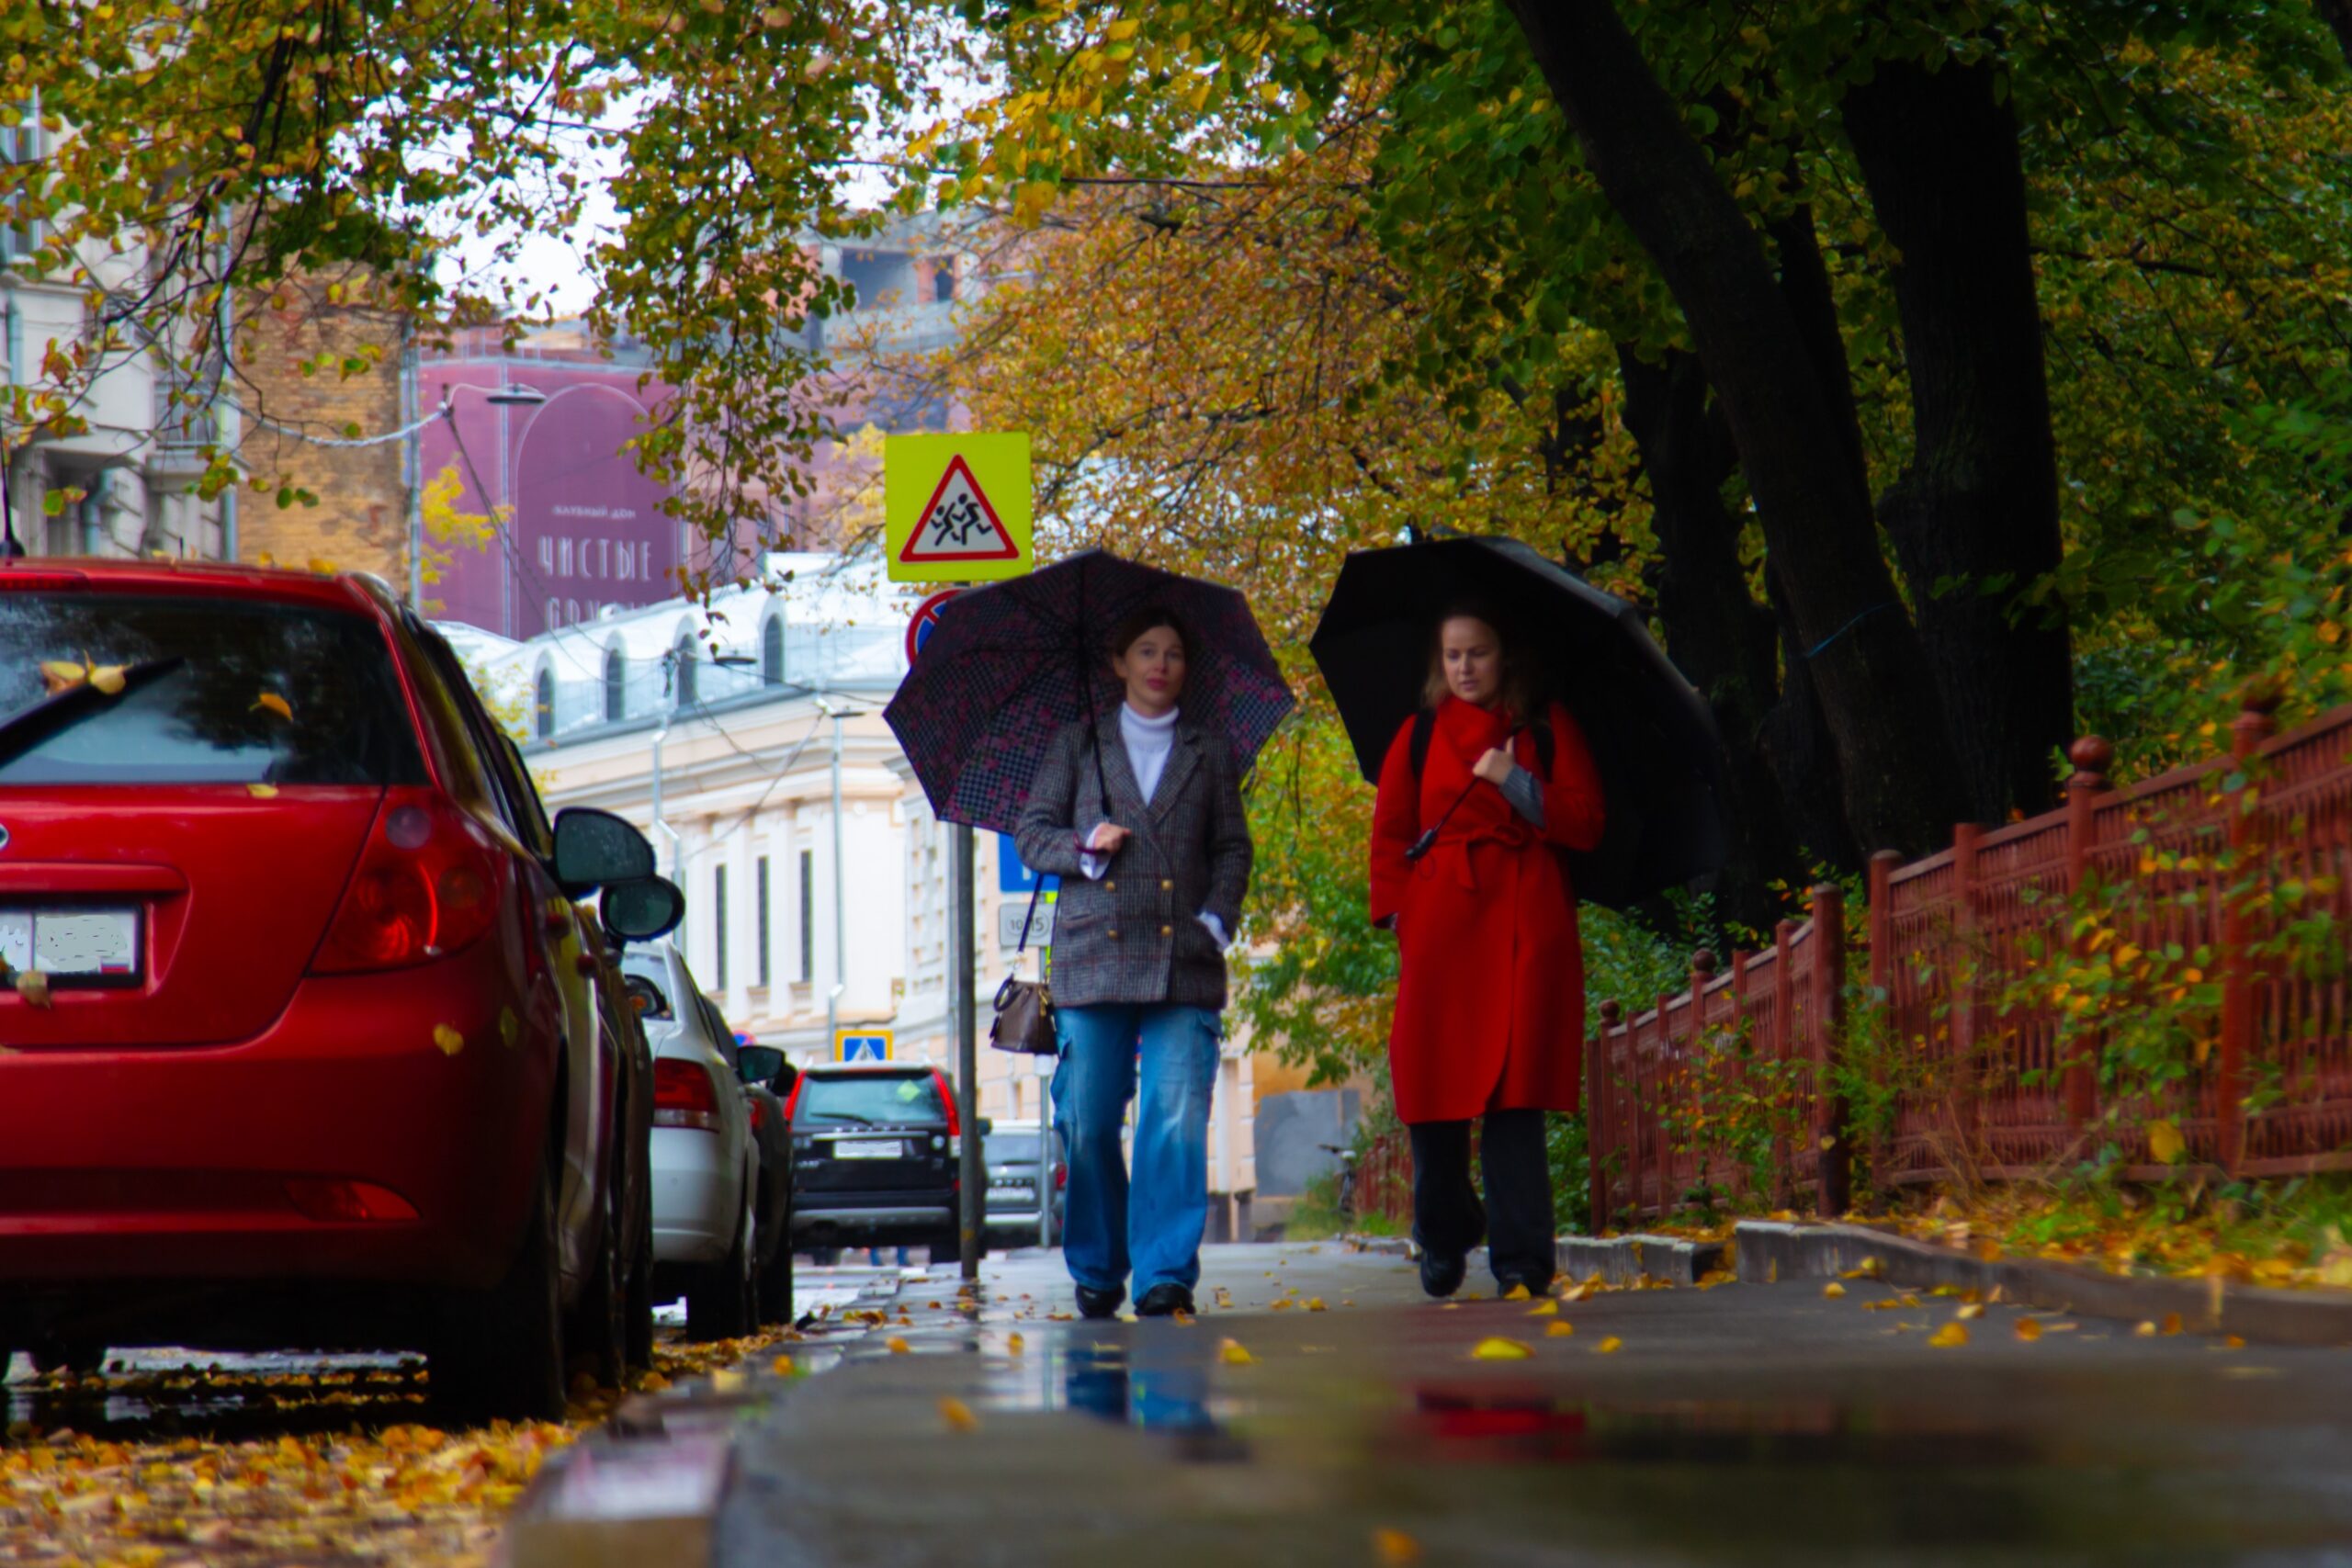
point(1010, 663)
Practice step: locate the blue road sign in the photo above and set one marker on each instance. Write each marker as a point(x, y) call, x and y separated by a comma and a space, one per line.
point(861, 1046)
point(1012, 875)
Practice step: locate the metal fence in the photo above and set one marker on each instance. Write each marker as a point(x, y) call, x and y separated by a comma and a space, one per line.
point(2209, 905)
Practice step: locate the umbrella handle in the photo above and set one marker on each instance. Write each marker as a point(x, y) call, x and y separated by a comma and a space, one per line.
point(1428, 841)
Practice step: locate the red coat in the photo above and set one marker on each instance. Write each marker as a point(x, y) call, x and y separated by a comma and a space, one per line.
point(1490, 1003)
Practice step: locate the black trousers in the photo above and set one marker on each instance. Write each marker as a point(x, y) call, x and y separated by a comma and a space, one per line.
point(1447, 1217)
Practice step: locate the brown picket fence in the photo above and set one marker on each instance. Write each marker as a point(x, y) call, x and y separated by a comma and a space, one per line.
point(1967, 1062)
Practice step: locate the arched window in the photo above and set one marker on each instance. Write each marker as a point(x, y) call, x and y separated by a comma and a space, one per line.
point(682, 680)
point(772, 652)
point(615, 684)
point(543, 704)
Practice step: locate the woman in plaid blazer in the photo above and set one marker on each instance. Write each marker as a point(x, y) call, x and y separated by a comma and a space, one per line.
point(1141, 817)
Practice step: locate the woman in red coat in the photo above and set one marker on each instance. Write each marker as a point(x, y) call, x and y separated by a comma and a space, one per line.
point(1490, 1002)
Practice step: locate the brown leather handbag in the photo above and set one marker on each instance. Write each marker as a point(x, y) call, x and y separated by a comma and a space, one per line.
point(1024, 1009)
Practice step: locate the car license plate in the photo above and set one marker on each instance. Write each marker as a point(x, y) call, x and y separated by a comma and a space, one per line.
point(867, 1148)
point(77, 940)
point(1020, 1190)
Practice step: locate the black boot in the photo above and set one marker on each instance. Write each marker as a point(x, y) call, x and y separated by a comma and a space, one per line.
point(1442, 1276)
point(1099, 1303)
point(1164, 1301)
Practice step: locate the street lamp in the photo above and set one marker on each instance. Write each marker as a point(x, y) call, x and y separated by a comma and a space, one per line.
point(506, 395)
point(830, 707)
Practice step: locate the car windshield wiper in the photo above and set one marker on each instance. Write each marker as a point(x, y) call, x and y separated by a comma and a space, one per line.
point(846, 1116)
point(27, 727)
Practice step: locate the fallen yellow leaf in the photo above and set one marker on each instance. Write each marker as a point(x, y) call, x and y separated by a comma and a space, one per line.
point(895, 1346)
point(275, 704)
point(262, 791)
point(63, 674)
point(1971, 1310)
point(448, 1039)
point(107, 678)
point(321, 565)
point(1315, 1304)
point(2029, 1329)
point(1232, 1354)
point(1833, 1290)
point(2172, 1323)
point(727, 1380)
point(2164, 1142)
point(1015, 1343)
point(784, 1366)
point(1498, 1348)
point(1949, 1336)
point(2145, 1331)
point(1559, 1330)
point(2232, 1342)
point(33, 986)
point(1609, 1347)
point(1544, 1309)
point(1395, 1548)
point(958, 1415)
point(1517, 1294)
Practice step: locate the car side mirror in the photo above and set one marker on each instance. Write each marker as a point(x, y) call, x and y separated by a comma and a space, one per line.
point(595, 848)
point(786, 1079)
point(641, 909)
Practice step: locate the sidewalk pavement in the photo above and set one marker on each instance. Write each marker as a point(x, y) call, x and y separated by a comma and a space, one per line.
point(1740, 1424)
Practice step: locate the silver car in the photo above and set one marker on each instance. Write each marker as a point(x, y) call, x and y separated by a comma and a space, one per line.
point(704, 1165)
point(1015, 1179)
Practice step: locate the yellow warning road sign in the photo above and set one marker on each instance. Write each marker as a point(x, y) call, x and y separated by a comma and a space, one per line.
point(956, 507)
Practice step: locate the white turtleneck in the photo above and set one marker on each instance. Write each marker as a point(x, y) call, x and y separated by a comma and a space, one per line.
point(1149, 742)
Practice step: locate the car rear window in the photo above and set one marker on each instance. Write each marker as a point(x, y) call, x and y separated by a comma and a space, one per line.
point(869, 1100)
point(1012, 1148)
point(216, 691)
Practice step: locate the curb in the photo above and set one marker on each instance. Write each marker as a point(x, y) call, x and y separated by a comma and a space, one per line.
point(645, 1486)
point(1629, 1259)
point(1769, 1250)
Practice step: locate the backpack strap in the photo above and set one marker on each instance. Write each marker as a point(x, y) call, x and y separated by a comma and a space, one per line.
point(1425, 726)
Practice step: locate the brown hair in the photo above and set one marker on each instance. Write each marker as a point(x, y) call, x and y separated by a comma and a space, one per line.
point(1520, 696)
point(1136, 622)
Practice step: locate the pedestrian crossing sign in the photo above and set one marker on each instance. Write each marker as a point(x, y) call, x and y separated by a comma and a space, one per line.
point(956, 507)
point(861, 1045)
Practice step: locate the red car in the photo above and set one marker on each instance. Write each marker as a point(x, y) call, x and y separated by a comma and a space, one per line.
point(305, 1039)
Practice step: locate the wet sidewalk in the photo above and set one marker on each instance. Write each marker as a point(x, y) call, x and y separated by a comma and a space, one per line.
point(1331, 1413)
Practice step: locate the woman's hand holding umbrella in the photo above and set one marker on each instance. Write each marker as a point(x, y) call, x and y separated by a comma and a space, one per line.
point(1496, 765)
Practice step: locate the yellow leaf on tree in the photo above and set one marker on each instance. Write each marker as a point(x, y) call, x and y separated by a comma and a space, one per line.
point(1498, 1348)
point(2165, 1141)
point(1949, 1336)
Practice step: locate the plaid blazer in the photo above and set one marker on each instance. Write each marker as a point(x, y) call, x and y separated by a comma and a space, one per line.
point(1133, 936)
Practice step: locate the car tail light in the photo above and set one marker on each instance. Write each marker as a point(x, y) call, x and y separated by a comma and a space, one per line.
point(1061, 1176)
point(947, 1097)
point(683, 1096)
point(759, 1113)
point(428, 883)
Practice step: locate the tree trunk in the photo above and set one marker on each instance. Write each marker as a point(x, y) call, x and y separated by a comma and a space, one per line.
point(1719, 637)
point(1975, 518)
point(2337, 14)
point(1895, 760)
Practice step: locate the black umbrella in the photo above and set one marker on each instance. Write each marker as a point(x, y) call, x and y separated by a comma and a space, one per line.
point(1010, 663)
point(1651, 732)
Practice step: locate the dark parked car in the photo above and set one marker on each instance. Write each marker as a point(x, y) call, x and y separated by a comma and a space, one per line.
point(873, 1157)
point(768, 1081)
point(1014, 1180)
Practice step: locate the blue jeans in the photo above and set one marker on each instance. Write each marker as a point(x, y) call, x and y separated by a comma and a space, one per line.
point(1157, 1224)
